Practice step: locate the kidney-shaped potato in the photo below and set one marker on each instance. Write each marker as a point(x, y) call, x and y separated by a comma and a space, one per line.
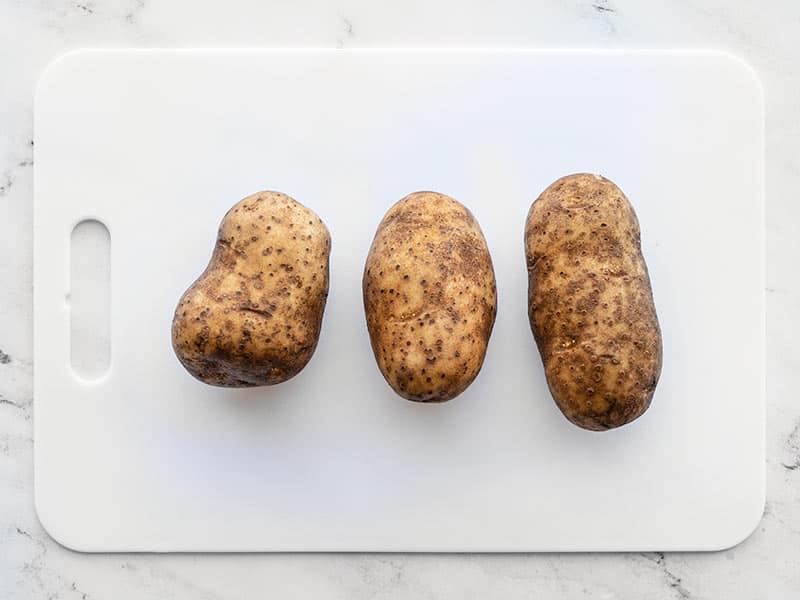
point(254, 316)
point(589, 302)
point(430, 297)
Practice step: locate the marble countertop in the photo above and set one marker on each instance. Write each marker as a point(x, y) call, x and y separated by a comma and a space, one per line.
point(766, 565)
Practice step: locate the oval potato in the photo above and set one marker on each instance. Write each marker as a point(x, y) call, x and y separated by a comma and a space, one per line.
point(254, 316)
point(590, 304)
point(430, 297)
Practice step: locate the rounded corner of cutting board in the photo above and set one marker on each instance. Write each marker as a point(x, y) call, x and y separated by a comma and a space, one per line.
point(55, 66)
point(745, 526)
point(742, 68)
point(750, 525)
point(53, 526)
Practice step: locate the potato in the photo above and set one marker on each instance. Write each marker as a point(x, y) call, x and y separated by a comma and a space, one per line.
point(254, 316)
point(430, 297)
point(590, 304)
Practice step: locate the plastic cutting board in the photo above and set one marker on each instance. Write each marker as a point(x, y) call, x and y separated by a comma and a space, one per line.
point(159, 144)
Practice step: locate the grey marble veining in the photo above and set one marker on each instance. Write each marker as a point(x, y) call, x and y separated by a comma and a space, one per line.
point(767, 565)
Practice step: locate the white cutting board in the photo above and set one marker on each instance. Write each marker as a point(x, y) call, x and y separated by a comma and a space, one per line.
point(158, 144)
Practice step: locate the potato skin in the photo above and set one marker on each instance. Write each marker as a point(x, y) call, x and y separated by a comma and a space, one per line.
point(590, 303)
point(430, 297)
point(254, 316)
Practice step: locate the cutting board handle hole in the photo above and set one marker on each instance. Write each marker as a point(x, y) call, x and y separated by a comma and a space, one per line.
point(89, 299)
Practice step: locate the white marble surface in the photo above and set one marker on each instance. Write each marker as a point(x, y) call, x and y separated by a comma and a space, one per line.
point(766, 34)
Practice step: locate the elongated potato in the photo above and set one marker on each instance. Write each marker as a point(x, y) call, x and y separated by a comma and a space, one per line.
point(430, 297)
point(590, 303)
point(254, 315)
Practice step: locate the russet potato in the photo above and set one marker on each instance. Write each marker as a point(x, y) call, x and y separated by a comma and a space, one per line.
point(590, 303)
point(430, 297)
point(254, 315)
